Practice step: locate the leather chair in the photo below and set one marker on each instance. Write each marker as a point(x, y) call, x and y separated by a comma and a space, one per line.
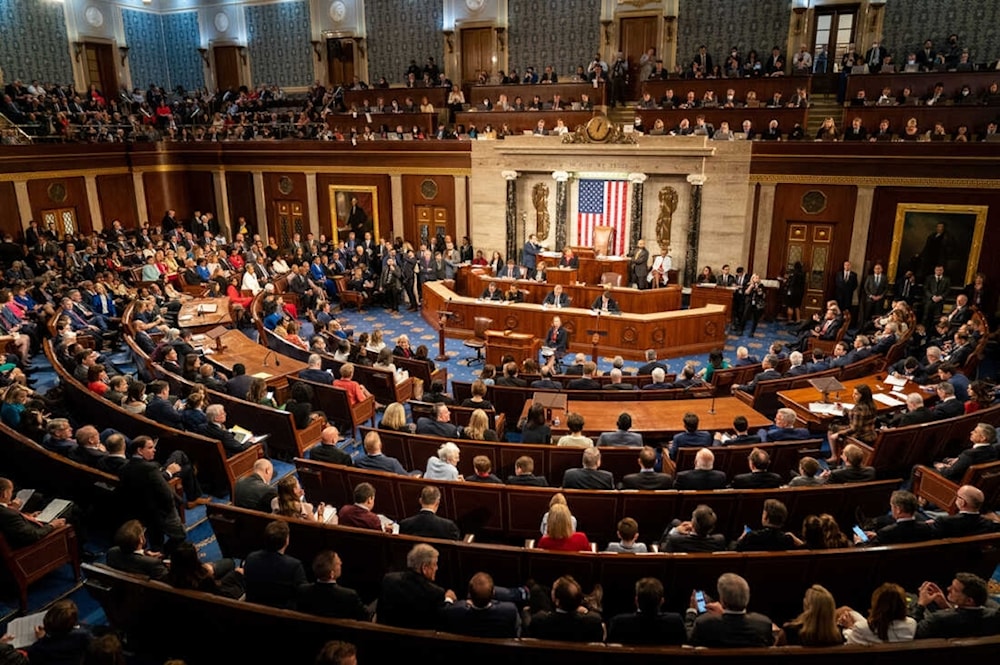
point(612, 278)
point(478, 340)
point(603, 236)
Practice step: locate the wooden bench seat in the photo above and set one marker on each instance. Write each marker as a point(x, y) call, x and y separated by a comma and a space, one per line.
point(26, 565)
point(335, 404)
point(149, 613)
point(930, 485)
point(512, 513)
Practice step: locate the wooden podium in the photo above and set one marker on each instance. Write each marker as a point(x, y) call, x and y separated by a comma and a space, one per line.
point(519, 345)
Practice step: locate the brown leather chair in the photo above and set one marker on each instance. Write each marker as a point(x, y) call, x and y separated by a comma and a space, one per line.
point(612, 278)
point(478, 340)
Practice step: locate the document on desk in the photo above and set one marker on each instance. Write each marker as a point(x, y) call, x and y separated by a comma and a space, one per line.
point(52, 511)
point(262, 375)
point(887, 400)
point(898, 382)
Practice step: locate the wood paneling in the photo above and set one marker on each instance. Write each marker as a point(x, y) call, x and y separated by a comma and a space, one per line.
point(10, 218)
point(477, 52)
point(345, 181)
point(239, 186)
point(638, 35)
point(273, 183)
point(116, 194)
point(180, 191)
point(44, 195)
point(415, 195)
point(227, 67)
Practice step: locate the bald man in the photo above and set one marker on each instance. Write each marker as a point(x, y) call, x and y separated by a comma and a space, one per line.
point(255, 490)
point(330, 448)
point(968, 521)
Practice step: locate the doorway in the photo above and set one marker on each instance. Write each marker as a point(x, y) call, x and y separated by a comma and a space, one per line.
point(638, 35)
point(835, 29)
point(100, 69)
point(810, 243)
point(477, 53)
point(287, 220)
point(60, 221)
point(430, 223)
point(340, 62)
point(227, 67)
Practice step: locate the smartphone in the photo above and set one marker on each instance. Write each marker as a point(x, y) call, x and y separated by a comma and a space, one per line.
point(860, 533)
point(699, 601)
point(746, 529)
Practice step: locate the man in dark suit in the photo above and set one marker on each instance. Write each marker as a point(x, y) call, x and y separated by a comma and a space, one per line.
point(961, 313)
point(741, 434)
point(948, 406)
point(727, 624)
point(255, 491)
point(616, 382)
point(691, 437)
point(546, 382)
point(130, 555)
point(315, 372)
point(329, 448)
point(427, 523)
point(784, 428)
point(410, 598)
point(915, 413)
point(936, 289)
point(21, 529)
point(510, 377)
point(482, 615)
point(605, 303)
point(962, 613)
point(272, 577)
point(491, 292)
point(845, 284)
point(639, 265)
point(143, 494)
point(759, 477)
point(983, 438)
point(239, 383)
point(160, 409)
point(967, 521)
point(510, 271)
point(622, 436)
point(524, 474)
point(374, 459)
point(567, 623)
point(875, 56)
point(770, 537)
point(687, 379)
point(649, 624)
point(797, 367)
point(906, 528)
point(325, 597)
point(440, 425)
point(875, 290)
point(702, 476)
point(853, 470)
point(651, 364)
point(766, 374)
point(647, 478)
point(586, 381)
point(215, 429)
point(590, 476)
point(694, 535)
point(557, 298)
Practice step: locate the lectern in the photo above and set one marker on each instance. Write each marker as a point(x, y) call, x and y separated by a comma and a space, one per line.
point(443, 317)
point(520, 345)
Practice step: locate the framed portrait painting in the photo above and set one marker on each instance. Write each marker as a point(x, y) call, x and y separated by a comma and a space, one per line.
point(928, 235)
point(354, 208)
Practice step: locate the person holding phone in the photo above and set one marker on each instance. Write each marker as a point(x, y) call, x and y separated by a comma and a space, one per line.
point(726, 622)
point(649, 624)
point(771, 537)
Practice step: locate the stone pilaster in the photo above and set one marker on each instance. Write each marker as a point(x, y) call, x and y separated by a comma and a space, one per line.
point(696, 180)
point(562, 207)
point(511, 209)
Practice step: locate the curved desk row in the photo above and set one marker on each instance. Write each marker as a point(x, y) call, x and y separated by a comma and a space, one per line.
point(675, 333)
point(647, 301)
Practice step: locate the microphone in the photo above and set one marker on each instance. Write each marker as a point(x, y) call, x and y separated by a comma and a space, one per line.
point(269, 353)
point(711, 409)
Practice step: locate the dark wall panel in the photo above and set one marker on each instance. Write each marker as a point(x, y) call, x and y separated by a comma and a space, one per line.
point(116, 194)
point(10, 218)
point(183, 192)
point(239, 186)
point(51, 193)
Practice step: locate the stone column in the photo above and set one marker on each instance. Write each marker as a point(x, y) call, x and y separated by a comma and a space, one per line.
point(221, 188)
point(396, 196)
point(139, 186)
point(696, 180)
point(562, 207)
point(637, 180)
point(94, 202)
point(461, 208)
point(511, 208)
point(312, 200)
point(24, 203)
point(260, 204)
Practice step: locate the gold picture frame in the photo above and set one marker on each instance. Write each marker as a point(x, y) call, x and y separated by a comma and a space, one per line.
point(915, 245)
point(340, 209)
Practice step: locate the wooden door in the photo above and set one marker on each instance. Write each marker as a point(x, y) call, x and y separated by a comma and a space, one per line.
point(636, 36)
point(477, 52)
point(99, 62)
point(288, 219)
point(430, 222)
point(340, 61)
point(227, 67)
point(811, 243)
point(836, 28)
point(60, 221)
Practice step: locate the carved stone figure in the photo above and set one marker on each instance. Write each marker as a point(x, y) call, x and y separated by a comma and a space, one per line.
point(668, 205)
point(540, 199)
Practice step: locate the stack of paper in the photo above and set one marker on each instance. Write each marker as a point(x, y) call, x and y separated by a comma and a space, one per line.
point(887, 400)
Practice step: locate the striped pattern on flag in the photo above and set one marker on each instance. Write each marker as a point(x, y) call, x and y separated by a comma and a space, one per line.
point(603, 203)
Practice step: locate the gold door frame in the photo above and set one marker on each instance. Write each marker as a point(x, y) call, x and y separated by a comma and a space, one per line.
point(914, 219)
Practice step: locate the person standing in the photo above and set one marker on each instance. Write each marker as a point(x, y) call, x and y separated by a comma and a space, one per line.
point(529, 255)
point(640, 264)
point(755, 300)
point(619, 79)
point(845, 285)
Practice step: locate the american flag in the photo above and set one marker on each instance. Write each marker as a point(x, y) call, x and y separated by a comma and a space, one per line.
point(603, 203)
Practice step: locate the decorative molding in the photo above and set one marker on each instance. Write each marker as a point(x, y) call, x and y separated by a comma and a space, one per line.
point(696, 179)
point(637, 178)
point(560, 176)
point(951, 183)
point(509, 175)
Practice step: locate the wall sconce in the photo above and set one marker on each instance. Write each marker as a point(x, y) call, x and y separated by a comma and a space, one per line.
point(319, 54)
point(243, 55)
point(669, 21)
point(123, 52)
point(203, 52)
point(360, 43)
point(799, 13)
point(448, 34)
point(876, 8)
point(77, 50)
point(502, 38)
point(606, 24)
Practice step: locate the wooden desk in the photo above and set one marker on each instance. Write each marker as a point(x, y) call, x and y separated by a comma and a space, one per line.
point(634, 301)
point(564, 276)
point(675, 333)
point(437, 96)
point(719, 295)
point(519, 345)
point(765, 87)
point(591, 267)
point(258, 360)
point(520, 121)
point(191, 316)
point(568, 92)
point(345, 122)
point(760, 117)
point(798, 400)
point(656, 420)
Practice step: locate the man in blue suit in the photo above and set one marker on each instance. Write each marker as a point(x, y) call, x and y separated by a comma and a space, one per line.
point(272, 577)
point(374, 459)
point(690, 437)
point(784, 428)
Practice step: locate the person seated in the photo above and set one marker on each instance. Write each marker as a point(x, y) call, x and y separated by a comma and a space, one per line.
point(691, 437)
point(510, 377)
point(325, 597)
point(605, 303)
point(375, 459)
point(560, 534)
point(659, 380)
point(427, 523)
point(590, 475)
point(817, 625)
point(702, 476)
point(491, 292)
point(628, 539)
point(361, 514)
point(905, 528)
point(616, 382)
point(740, 436)
point(444, 466)
point(355, 391)
point(568, 620)
point(962, 612)
point(556, 298)
point(808, 474)
point(770, 537)
point(60, 638)
point(886, 622)
point(694, 535)
point(568, 259)
point(727, 622)
point(854, 470)
point(687, 379)
point(513, 294)
point(706, 276)
point(576, 369)
point(533, 427)
point(647, 478)
point(440, 424)
point(129, 553)
point(766, 374)
point(510, 271)
point(622, 436)
point(784, 428)
point(437, 394)
point(272, 577)
point(586, 380)
point(759, 477)
point(982, 451)
point(524, 474)
point(575, 438)
point(483, 471)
